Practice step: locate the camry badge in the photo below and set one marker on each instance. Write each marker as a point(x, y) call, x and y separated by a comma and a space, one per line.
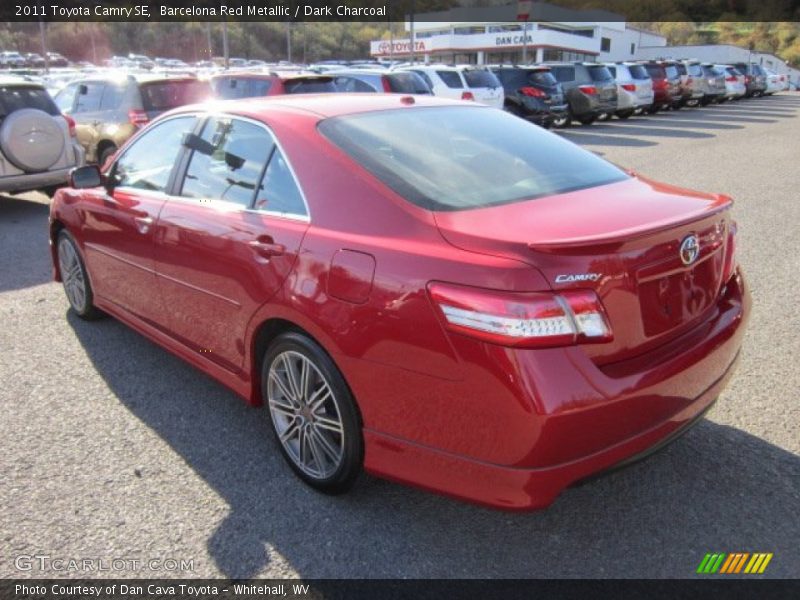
point(690, 249)
point(578, 277)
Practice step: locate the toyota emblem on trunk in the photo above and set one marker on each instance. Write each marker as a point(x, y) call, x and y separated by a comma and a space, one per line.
point(690, 249)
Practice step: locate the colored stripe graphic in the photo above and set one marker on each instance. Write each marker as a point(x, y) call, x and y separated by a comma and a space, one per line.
point(734, 562)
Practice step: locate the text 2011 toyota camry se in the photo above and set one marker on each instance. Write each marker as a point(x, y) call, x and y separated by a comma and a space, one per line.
point(428, 290)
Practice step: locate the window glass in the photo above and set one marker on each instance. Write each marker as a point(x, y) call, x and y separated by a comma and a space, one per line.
point(407, 82)
point(480, 78)
point(229, 164)
point(672, 72)
point(451, 79)
point(259, 87)
point(544, 78)
point(563, 73)
point(309, 85)
point(89, 96)
point(600, 73)
point(162, 96)
point(605, 44)
point(112, 97)
point(638, 72)
point(229, 88)
point(458, 158)
point(15, 97)
point(278, 191)
point(65, 99)
point(425, 78)
point(148, 162)
point(351, 84)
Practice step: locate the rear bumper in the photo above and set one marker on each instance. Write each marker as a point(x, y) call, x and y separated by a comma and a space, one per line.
point(34, 181)
point(565, 419)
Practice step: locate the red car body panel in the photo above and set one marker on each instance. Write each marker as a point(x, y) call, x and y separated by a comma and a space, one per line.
point(506, 427)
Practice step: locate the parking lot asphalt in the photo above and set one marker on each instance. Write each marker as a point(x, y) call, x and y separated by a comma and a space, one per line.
point(112, 448)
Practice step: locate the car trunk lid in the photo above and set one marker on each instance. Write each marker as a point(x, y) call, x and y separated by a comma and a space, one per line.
point(622, 240)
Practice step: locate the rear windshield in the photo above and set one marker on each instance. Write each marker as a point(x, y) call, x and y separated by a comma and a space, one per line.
point(458, 158)
point(543, 78)
point(166, 95)
point(14, 97)
point(638, 72)
point(681, 68)
point(317, 85)
point(480, 78)
point(600, 73)
point(451, 79)
point(656, 71)
point(711, 71)
point(229, 88)
point(695, 70)
point(407, 83)
point(672, 71)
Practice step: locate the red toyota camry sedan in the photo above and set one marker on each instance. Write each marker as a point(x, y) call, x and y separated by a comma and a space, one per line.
point(431, 291)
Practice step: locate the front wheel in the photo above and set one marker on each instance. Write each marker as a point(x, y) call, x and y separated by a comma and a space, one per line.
point(587, 120)
point(75, 279)
point(313, 414)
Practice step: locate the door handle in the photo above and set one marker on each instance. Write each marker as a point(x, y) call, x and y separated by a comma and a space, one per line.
point(266, 247)
point(143, 223)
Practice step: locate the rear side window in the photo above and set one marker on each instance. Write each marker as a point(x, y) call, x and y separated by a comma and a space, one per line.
point(638, 72)
point(457, 158)
point(147, 163)
point(320, 85)
point(451, 79)
point(563, 73)
point(600, 73)
point(65, 99)
point(16, 97)
point(425, 78)
point(228, 163)
point(89, 96)
point(165, 95)
point(278, 191)
point(480, 78)
point(407, 83)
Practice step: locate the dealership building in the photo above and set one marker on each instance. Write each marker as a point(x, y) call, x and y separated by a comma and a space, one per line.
point(490, 35)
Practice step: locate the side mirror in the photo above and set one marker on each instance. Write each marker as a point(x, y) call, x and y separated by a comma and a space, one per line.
point(82, 178)
point(83, 89)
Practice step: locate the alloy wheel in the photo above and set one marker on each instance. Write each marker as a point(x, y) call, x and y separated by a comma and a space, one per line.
point(305, 414)
point(72, 275)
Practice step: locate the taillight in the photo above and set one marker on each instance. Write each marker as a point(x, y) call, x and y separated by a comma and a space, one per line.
point(629, 87)
point(588, 89)
point(747, 79)
point(387, 87)
point(530, 319)
point(467, 96)
point(730, 254)
point(659, 84)
point(70, 125)
point(532, 92)
point(731, 78)
point(137, 117)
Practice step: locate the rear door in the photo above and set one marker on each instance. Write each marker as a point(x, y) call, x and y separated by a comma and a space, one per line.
point(228, 237)
point(485, 87)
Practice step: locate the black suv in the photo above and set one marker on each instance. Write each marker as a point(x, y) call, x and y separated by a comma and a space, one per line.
point(533, 94)
point(590, 89)
point(755, 78)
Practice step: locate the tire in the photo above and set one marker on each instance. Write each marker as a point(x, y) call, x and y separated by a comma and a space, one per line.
point(105, 155)
point(587, 120)
point(32, 140)
point(625, 114)
point(318, 431)
point(75, 278)
point(604, 117)
point(561, 122)
point(653, 109)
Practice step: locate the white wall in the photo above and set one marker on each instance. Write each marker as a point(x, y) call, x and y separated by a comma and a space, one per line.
point(621, 41)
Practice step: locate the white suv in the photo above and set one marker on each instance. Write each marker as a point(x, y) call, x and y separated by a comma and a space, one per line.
point(461, 83)
point(38, 147)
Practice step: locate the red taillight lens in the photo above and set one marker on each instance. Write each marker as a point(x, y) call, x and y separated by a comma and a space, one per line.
point(747, 79)
point(629, 87)
point(530, 319)
point(387, 87)
point(138, 117)
point(730, 254)
point(70, 124)
point(532, 92)
point(588, 89)
point(659, 84)
point(467, 96)
point(731, 78)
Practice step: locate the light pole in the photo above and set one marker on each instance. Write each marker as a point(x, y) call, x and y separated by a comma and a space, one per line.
point(225, 53)
point(43, 38)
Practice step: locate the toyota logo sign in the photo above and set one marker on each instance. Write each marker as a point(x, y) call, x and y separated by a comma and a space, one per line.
point(690, 249)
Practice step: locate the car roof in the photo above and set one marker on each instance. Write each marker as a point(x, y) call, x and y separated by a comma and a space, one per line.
point(321, 106)
point(7, 80)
